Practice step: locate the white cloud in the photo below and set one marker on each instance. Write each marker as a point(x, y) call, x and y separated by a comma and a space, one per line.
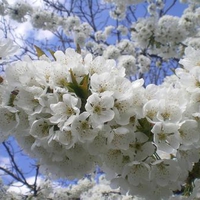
point(4, 162)
point(22, 189)
point(25, 29)
point(22, 29)
point(43, 34)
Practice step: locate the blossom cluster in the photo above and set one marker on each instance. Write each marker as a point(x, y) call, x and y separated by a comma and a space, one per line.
point(165, 36)
point(76, 112)
point(80, 32)
point(73, 112)
point(168, 35)
point(138, 48)
point(85, 188)
point(119, 11)
point(72, 26)
point(40, 18)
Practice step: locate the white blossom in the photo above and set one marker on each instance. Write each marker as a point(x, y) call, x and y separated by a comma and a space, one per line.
point(65, 112)
point(7, 48)
point(100, 108)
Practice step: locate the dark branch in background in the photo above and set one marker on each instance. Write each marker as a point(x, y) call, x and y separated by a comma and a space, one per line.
point(16, 173)
point(131, 12)
point(60, 8)
point(170, 7)
point(35, 186)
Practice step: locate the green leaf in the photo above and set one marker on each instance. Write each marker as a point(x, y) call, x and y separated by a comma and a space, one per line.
point(52, 53)
point(39, 51)
point(84, 85)
point(80, 89)
point(145, 127)
point(73, 77)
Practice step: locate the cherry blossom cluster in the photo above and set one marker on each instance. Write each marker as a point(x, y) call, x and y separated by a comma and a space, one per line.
point(41, 18)
point(44, 19)
point(168, 35)
point(119, 11)
point(165, 36)
point(161, 37)
point(85, 188)
point(75, 112)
